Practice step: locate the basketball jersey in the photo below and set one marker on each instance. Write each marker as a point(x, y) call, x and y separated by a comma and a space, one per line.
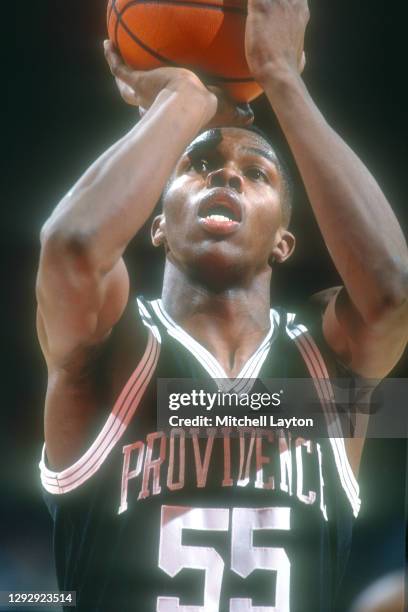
point(194, 521)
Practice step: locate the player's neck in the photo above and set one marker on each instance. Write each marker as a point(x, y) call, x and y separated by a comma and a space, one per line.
point(230, 323)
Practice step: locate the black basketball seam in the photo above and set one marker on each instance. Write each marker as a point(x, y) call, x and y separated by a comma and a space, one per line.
point(114, 9)
point(189, 3)
point(160, 57)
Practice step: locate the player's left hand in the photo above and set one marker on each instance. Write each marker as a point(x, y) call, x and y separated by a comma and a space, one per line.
point(128, 83)
point(274, 37)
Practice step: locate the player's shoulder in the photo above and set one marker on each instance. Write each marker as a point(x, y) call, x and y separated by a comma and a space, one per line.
point(305, 320)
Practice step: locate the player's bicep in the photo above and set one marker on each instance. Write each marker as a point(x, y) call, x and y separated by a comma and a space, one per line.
point(77, 306)
point(370, 351)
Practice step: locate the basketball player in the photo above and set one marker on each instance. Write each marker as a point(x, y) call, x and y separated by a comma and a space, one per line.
point(191, 521)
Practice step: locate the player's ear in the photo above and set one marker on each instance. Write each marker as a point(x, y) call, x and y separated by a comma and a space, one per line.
point(158, 233)
point(284, 246)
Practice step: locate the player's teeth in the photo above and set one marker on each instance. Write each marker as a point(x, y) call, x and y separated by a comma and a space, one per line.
point(218, 217)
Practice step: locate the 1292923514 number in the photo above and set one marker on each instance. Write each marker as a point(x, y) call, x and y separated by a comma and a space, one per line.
point(245, 557)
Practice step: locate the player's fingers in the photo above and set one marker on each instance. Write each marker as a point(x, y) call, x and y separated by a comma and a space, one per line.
point(143, 83)
point(116, 65)
point(302, 62)
point(127, 93)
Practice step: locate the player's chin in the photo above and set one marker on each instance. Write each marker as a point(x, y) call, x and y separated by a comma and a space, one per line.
point(226, 246)
point(197, 240)
point(220, 256)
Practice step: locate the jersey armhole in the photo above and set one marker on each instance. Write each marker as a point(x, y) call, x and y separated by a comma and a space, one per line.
point(88, 464)
point(318, 371)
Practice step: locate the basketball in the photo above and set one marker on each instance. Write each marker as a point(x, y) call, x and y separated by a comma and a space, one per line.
point(206, 36)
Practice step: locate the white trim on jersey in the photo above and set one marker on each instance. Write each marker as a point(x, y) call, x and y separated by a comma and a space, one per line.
point(243, 382)
point(131, 395)
point(314, 362)
point(318, 371)
point(116, 424)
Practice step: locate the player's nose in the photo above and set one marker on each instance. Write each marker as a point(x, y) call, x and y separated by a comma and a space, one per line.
point(225, 177)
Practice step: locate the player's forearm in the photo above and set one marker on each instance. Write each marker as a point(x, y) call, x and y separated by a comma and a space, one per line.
point(358, 225)
point(115, 197)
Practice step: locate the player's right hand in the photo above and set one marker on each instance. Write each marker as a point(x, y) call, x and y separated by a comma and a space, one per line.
point(140, 88)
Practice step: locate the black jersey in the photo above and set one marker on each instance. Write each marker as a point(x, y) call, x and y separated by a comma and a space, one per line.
point(191, 521)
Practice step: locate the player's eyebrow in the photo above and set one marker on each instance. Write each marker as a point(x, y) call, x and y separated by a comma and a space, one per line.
point(269, 155)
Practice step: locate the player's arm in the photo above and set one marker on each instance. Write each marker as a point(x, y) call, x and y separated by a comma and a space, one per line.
point(366, 322)
point(82, 284)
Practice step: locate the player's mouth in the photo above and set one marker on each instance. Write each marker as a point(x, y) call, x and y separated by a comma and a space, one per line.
point(220, 212)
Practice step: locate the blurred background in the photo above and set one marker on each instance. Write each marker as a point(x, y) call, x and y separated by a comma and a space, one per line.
point(61, 111)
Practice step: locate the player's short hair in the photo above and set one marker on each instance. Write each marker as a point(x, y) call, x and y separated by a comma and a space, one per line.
point(287, 181)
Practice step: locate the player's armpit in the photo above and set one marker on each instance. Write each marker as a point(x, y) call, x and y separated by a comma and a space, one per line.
point(370, 350)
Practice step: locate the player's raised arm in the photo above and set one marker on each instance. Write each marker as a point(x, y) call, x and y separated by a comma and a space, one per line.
point(82, 284)
point(82, 281)
point(367, 323)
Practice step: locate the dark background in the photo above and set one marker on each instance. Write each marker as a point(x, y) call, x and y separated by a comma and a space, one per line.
point(61, 111)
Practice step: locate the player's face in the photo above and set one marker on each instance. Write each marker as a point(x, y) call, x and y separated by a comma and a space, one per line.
point(222, 210)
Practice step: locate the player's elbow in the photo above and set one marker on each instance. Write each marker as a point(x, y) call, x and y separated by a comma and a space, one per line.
point(59, 236)
point(62, 245)
point(391, 300)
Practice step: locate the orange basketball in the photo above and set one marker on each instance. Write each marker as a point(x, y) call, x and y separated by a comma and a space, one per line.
point(206, 36)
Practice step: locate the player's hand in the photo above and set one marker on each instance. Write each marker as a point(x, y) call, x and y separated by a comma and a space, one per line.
point(274, 37)
point(140, 88)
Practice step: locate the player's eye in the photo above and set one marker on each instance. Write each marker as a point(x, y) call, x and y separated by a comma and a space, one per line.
point(256, 174)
